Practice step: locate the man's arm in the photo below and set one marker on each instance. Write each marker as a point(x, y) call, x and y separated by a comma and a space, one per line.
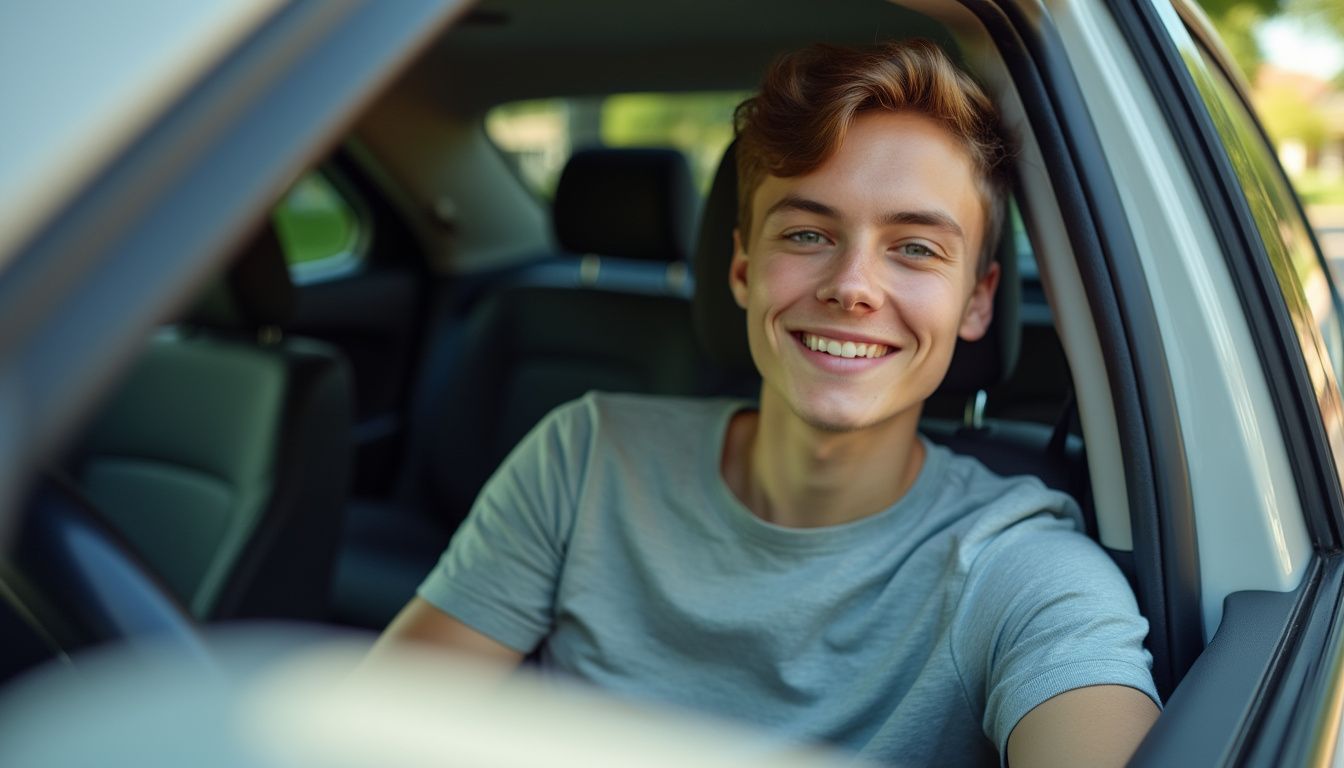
point(506, 556)
point(1099, 726)
point(421, 622)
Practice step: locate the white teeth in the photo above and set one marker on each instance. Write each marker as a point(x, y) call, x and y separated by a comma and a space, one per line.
point(847, 349)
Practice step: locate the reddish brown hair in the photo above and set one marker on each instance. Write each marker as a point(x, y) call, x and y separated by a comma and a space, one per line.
point(810, 97)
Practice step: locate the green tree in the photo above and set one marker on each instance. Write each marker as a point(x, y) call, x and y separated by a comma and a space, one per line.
point(1329, 13)
point(1265, 7)
point(699, 124)
point(1236, 21)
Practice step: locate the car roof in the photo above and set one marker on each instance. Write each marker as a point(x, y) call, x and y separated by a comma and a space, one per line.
point(533, 48)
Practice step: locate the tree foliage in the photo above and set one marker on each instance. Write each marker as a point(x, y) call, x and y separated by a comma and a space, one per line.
point(1236, 21)
point(699, 124)
point(1236, 26)
point(1329, 13)
point(1216, 8)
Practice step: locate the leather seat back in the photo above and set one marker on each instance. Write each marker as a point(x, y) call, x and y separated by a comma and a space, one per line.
point(529, 346)
point(223, 457)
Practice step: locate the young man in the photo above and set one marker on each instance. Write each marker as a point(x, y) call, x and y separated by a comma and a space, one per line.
point(813, 565)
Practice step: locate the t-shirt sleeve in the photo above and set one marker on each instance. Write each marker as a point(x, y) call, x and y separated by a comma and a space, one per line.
point(500, 571)
point(1047, 611)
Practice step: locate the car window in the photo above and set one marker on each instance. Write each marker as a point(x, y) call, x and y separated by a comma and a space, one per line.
point(538, 136)
point(1026, 258)
point(1302, 273)
point(320, 228)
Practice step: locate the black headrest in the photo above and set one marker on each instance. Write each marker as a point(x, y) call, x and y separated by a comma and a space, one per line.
point(722, 326)
point(255, 292)
point(630, 203)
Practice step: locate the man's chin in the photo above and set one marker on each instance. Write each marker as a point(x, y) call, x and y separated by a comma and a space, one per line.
point(835, 412)
point(838, 420)
point(835, 427)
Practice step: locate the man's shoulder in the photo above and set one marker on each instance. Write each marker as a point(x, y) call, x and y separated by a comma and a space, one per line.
point(645, 424)
point(623, 411)
point(972, 476)
point(993, 505)
point(636, 402)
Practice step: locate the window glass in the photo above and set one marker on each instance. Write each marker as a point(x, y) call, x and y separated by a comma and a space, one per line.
point(1302, 274)
point(319, 229)
point(539, 136)
point(1026, 257)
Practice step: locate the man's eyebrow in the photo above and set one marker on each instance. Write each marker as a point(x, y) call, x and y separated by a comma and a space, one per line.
point(924, 218)
point(796, 203)
point(936, 219)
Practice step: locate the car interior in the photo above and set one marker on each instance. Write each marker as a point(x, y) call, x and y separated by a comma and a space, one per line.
point(302, 442)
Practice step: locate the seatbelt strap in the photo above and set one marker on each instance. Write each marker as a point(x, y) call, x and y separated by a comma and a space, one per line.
point(1063, 425)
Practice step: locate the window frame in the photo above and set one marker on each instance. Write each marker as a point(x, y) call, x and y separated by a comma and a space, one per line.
point(1135, 409)
point(1275, 654)
point(1319, 482)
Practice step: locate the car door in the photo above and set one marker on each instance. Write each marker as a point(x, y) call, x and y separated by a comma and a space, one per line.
point(140, 181)
point(1184, 257)
point(1265, 690)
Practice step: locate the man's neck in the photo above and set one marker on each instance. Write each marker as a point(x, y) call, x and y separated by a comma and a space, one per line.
point(790, 473)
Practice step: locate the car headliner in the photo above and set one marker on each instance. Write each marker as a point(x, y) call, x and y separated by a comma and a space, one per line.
point(532, 48)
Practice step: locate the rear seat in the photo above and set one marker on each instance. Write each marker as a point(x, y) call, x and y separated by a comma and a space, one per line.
point(613, 315)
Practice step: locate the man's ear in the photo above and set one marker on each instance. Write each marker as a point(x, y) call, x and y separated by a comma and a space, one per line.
point(980, 307)
point(737, 271)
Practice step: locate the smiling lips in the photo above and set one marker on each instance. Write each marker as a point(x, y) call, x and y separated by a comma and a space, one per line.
point(837, 348)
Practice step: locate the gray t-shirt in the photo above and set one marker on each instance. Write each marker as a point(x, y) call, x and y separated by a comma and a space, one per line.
point(919, 635)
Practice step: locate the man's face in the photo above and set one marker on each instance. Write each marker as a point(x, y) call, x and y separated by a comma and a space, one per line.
point(860, 276)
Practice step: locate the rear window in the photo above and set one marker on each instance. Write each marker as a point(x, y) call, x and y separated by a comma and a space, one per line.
point(321, 229)
point(538, 136)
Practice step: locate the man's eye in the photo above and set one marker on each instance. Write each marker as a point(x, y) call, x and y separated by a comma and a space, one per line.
point(805, 237)
point(915, 250)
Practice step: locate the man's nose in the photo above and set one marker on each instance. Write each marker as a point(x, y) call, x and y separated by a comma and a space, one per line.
point(851, 282)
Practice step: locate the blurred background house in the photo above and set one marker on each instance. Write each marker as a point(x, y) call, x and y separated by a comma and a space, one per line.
point(1305, 113)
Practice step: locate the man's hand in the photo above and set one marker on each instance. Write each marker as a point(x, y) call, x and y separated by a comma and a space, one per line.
point(1097, 726)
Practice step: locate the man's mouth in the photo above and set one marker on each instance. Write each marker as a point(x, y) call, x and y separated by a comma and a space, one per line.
point(837, 348)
